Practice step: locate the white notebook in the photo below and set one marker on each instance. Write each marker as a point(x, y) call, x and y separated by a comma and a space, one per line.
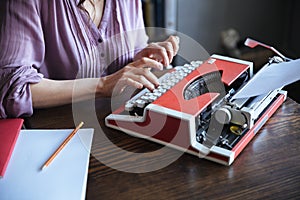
point(64, 178)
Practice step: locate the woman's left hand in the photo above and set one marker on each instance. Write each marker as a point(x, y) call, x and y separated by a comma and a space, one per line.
point(162, 52)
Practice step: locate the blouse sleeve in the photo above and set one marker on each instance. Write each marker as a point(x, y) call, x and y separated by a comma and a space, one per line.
point(22, 52)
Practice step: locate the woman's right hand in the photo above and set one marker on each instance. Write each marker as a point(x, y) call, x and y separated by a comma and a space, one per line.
point(136, 74)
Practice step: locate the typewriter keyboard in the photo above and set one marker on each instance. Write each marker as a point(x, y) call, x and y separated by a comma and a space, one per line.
point(135, 106)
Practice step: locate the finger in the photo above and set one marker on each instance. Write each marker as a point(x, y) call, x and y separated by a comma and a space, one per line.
point(133, 83)
point(147, 63)
point(150, 77)
point(158, 52)
point(169, 50)
point(171, 46)
point(147, 78)
point(139, 81)
point(175, 40)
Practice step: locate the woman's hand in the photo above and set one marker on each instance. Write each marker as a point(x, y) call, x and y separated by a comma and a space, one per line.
point(136, 74)
point(162, 52)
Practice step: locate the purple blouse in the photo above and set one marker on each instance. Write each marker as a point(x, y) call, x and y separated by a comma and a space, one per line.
point(57, 40)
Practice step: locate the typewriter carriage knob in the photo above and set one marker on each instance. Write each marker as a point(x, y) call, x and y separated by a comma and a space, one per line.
point(223, 115)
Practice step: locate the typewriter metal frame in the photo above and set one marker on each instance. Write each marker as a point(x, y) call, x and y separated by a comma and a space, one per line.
point(172, 120)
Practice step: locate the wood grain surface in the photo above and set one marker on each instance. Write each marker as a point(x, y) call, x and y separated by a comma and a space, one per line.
point(268, 168)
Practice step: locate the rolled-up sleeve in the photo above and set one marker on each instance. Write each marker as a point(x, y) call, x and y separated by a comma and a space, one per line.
point(21, 54)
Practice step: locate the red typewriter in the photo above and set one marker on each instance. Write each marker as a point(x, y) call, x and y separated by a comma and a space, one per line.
point(193, 110)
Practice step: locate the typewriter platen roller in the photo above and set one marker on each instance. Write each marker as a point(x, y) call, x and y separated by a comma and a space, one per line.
point(192, 110)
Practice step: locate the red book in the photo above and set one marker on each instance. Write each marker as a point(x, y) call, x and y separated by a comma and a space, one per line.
point(9, 132)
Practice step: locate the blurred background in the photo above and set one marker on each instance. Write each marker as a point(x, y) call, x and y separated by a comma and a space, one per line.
point(221, 27)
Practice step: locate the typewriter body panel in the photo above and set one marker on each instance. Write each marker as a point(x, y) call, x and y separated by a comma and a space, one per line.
point(193, 112)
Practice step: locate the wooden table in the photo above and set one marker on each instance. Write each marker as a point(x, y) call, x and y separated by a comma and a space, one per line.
point(268, 168)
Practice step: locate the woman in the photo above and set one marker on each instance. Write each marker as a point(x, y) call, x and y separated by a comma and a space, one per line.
point(48, 46)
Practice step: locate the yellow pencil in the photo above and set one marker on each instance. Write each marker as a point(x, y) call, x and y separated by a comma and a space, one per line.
point(62, 145)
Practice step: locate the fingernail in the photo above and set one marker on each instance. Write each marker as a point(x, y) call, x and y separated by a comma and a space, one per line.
point(152, 87)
